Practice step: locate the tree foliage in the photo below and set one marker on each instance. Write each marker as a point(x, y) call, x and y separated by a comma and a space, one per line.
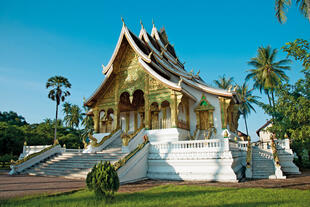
point(268, 73)
point(224, 83)
point(282, 5)
point(103, 180)
point(13, 136)
point(73, 115)
point(291, 113)
point(57, 94)
point(12, 118)
point(247, 101)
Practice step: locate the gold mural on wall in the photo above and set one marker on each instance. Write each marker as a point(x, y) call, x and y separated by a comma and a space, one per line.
point(155, 85)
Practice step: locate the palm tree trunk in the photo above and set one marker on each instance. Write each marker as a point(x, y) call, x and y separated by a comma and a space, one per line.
point(273, 105)
point(246, 125)
point(269, 99)
point(56, 122)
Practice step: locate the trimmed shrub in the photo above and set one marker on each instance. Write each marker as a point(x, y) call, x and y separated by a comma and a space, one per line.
point(103, 180)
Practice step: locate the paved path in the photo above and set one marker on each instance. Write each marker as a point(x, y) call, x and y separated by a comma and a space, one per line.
point(23, 185)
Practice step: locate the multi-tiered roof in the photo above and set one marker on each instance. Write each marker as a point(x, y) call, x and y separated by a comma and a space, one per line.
point(158, 57)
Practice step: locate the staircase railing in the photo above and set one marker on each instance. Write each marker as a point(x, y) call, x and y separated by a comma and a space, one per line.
point(130, 142)
point(248, 170)
point(106, 140)
point(34, 158)
point(123, 161)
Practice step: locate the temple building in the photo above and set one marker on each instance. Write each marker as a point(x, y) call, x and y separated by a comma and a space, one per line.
point(147, 86)
point(154, 119)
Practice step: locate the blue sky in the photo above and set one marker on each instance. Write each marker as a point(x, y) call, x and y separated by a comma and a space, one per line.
point(40, 39)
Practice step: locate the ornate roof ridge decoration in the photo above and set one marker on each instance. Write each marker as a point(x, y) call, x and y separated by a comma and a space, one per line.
point(168, 83)
point(205, 88)
point(155, 64)
point(159, 55)
point(204, 104)
point(155, 34)
point(125, 32)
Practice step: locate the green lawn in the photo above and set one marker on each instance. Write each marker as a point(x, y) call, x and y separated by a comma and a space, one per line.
point(172, 195)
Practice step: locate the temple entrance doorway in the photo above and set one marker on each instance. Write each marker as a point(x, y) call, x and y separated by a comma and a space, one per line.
point(131, 111)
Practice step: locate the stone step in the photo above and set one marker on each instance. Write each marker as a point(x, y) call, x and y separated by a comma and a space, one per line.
point(60, 170)
point(69, 176)
point(75, 165)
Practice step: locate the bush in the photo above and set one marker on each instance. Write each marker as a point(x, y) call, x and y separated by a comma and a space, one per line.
point(8, 158)
point(103, 180)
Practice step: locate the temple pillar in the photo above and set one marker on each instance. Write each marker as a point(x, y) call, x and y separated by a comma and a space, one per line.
point(116, 123)
point(147, 112)
point(174, 110)
point(224, 104)
point(164, 122)
point(127, 121)
point(96, 121)
point(187, 115)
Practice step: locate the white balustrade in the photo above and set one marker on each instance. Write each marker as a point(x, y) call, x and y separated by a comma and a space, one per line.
point(28, 150)
point(72, 150)
point(191, 146)
point(243, 145)
point(283, 144)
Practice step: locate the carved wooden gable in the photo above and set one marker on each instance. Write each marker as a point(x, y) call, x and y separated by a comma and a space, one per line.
point(131, 75)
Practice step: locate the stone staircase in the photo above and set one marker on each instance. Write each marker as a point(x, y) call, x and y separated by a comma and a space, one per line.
point(262, 163)
point(76, 165)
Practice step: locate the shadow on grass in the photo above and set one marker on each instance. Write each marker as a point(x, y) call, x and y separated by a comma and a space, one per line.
point(167, 195)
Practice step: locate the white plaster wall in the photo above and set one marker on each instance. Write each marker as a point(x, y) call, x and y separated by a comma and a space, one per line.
point(264, 135)
point(213, 100)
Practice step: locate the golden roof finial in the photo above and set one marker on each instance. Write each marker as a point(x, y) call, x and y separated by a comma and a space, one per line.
point(198, 73)
point(141, 23)
point(180, 82)
point(123, 20)
point(153, 23)
point(150, 55)
point(102, 66)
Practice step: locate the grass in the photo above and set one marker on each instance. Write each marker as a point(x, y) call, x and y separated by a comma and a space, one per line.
point(175, 195)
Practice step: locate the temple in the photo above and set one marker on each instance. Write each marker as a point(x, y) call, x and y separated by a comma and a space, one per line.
point(154, 119)
point(147, 86)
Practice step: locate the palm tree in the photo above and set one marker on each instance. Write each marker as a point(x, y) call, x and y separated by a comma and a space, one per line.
point(66, 108)
point(87, 122)
point(281, 5)
point(57, 83)
point(76, 116)
point(247, 99)
point(268, 74)
point(224, 83)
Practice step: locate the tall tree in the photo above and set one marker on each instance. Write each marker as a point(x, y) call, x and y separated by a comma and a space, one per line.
point(73, 115)
point(58, 93)
point(282, 5)
point(66, 108)
point(87, 122)
point(76, 116)
point(267, 73)
point(223, 82)
point(247, 99)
